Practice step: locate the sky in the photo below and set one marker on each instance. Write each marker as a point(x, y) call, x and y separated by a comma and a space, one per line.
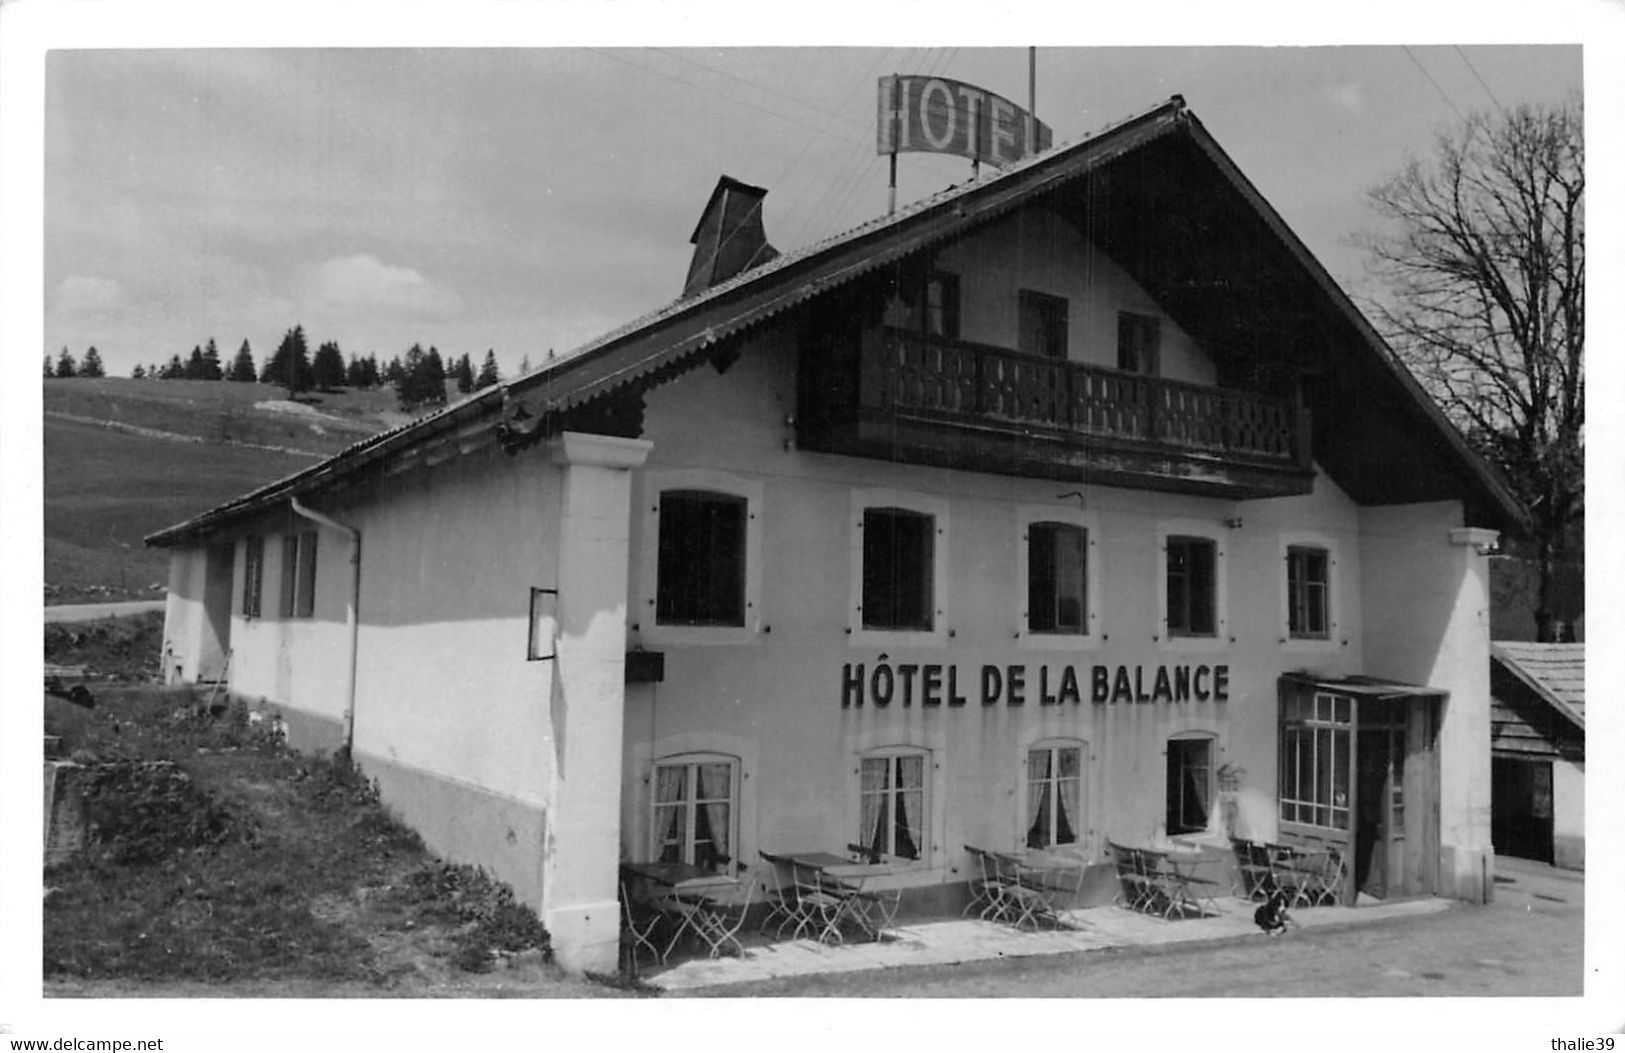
point(527, 200)
point(523, 176)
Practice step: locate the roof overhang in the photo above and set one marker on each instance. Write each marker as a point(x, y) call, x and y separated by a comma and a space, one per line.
point(1367, 687)
point(1373, 398)
point(1509, 662)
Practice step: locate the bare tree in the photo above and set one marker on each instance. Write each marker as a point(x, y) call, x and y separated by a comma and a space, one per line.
point(1484, 263)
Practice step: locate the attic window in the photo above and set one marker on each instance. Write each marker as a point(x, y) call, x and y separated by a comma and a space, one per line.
point(1042, 329)
point(1138, 343)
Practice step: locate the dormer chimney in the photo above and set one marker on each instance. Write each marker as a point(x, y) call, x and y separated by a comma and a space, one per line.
point(729, 238)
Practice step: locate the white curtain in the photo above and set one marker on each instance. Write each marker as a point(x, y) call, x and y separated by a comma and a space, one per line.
point(1038, 773)
point(670, 783)
point(872, 797)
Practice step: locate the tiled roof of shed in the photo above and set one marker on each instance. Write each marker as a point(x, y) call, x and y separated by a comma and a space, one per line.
point(1555, 672)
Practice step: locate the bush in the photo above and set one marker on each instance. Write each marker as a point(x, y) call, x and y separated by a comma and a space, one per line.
point(141, 812)
point(493, 921)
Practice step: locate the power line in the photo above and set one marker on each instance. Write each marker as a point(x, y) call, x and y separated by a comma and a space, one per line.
point(842, 171)
point(1435, 84)
point(825, 113)
point(1463, 56)
point(721, 94)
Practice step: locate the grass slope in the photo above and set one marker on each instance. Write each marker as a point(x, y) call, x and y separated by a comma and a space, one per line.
point(218, 855)
point(106, 488)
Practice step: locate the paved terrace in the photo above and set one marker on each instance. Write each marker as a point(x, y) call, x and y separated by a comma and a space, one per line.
point(957, 941)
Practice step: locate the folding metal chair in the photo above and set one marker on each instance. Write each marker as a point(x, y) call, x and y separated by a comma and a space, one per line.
point(638, 924)
point(1253, 868)
point(874, 909)
point(1134, 890)
point(780, 896)
point(718, 916)
point(1028, 895)
point(809, 903)
point(1333, 871)
point(993, 887)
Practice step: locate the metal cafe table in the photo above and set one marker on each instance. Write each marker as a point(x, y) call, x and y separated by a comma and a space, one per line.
point(827, 890)
point(688, 897)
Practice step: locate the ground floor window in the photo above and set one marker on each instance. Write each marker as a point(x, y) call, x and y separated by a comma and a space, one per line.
point(694, 806)
point(1190, 784)
point(253, 575)
point(298, 598)
point(892, 804)
point(1314, 760)
point(1054, 795)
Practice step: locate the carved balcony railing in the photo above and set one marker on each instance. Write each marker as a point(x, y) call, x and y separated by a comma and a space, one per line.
point(960, 383)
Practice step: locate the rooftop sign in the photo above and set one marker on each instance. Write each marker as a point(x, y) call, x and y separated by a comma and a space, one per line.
point(937, 115)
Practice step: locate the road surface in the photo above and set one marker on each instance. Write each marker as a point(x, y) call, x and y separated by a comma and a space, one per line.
point(86, 612)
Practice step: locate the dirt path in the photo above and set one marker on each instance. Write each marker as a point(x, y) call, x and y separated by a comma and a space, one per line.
point(89, 612)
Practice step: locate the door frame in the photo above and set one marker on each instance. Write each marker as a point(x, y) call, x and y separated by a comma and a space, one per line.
point(1411, 845)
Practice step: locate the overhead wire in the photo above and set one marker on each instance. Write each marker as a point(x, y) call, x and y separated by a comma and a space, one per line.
point(609, 54)
point(838, 192)
point(1429, 76)
point(827, 114)
point(1474, 70)
point(928, 65)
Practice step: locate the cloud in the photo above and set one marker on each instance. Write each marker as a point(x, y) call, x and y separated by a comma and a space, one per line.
point(80, 294)
point(366, 282)
point(1348, 97)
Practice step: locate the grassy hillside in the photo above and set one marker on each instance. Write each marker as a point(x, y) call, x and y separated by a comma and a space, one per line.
point(124, 458)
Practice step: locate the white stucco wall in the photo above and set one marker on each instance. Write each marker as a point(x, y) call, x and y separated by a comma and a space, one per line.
point(183, 615)
point(1427, 576)
point(449, 555)
point(1569, 812)
point(771, 694)
point(1038, 250)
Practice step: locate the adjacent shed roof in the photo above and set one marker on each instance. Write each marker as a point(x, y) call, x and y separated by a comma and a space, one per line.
point(1175, 211)
point(1555, 673)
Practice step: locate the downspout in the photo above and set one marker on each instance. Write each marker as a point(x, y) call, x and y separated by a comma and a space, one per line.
point(353, 616)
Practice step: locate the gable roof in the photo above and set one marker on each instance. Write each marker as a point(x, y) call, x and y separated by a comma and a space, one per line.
point(1554, 673)
point(1103, 171)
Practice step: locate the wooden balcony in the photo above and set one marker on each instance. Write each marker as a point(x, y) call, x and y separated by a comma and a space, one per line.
point(956, 404)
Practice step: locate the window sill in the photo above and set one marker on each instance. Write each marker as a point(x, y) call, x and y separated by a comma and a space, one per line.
point(1031, 641)
point(695, 635)
point(1310, 645)
point(1201, 644)
point(860, 637)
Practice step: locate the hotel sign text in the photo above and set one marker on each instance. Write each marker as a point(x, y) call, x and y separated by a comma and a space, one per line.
point(927, 684)
point(937, 115)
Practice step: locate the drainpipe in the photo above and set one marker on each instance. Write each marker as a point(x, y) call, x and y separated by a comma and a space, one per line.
point(354, 615)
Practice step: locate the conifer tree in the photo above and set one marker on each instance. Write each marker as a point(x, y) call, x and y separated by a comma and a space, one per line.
point(92, 365)
point(290, 365)
point(65, 365)
point(464, 372)
point(211, 362)
point(488, 371)
point(327, 370)
point(194, 364)
point(242, 367)
point(139, 372)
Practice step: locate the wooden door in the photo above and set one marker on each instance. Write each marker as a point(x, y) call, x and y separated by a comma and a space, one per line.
point(1371, 826)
